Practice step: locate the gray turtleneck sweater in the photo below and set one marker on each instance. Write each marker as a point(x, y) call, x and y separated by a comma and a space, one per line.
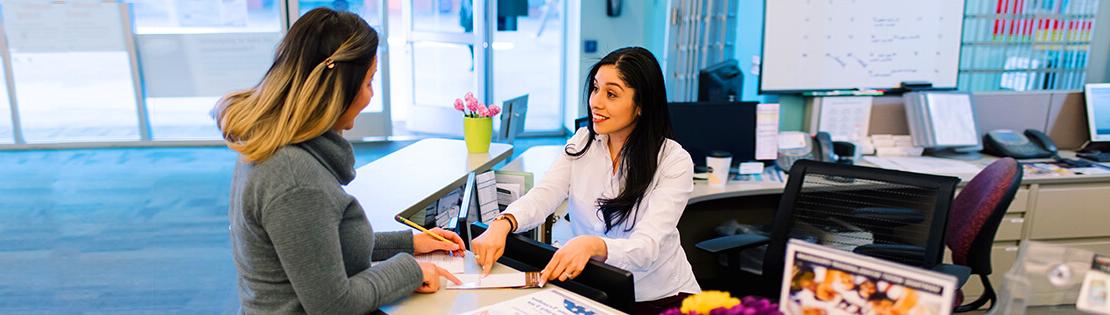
point(303, 245)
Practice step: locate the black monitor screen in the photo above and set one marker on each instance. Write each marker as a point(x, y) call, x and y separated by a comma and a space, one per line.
point(721, 82)
point(703, 127)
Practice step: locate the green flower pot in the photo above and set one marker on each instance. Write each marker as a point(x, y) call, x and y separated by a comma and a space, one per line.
point(478, 132)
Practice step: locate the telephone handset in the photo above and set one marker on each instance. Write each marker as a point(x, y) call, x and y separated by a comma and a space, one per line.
point(794, 145)
point(1032, 144)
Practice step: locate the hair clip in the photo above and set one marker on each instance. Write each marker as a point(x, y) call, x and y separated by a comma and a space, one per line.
point(329, 63)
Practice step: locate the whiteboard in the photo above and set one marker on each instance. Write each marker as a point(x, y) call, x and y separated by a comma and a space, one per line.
point(844, 44)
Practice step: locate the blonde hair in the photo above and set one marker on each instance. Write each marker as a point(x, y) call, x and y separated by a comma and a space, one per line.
point(317, 71)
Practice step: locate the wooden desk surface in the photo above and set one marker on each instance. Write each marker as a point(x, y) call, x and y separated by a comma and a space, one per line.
point(410, 178)
point(459, 301)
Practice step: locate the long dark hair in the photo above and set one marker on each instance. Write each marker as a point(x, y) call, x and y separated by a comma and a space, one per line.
point(640, 155)
point(317, 71)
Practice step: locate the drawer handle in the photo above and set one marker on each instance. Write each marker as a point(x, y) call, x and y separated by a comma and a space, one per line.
point(1010, 249)
point(1017, 220)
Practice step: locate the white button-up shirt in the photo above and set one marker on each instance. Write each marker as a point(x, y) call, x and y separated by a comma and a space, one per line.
point(651, 249)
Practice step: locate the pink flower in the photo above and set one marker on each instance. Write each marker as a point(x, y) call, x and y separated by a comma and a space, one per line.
point(494, 110)
point(483, 112)
point(472, 103)
point(458, 104)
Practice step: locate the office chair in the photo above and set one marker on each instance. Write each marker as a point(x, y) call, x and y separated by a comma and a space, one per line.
point(974, 219)
point(821, 204)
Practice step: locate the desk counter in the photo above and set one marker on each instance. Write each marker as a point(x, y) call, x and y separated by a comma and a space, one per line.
point(413, 177)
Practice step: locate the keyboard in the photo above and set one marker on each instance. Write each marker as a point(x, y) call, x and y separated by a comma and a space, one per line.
point(1095, 156)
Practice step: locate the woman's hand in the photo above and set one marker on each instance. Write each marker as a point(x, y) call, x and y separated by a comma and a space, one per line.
point(489, 246)
point(422, 243)
point(569, 260)
point(431, 277)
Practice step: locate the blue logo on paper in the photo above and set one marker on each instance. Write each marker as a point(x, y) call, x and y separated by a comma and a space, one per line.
point(575, 309)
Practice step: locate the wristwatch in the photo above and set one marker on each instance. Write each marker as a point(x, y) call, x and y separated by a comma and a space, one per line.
point(506, 217)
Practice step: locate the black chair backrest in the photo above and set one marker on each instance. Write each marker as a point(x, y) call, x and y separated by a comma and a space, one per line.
point(893, 215)
point(599, 281)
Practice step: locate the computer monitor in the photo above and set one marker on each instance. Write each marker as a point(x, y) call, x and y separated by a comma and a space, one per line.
point(704, 127)
point(513, 112)
point(468, 209)
point(1098, 111)
point(721, 82)
point(598, 281)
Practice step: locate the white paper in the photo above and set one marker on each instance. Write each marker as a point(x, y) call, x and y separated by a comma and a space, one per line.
point(1094, 296)
point(792, 140)
point(497, 280)
point(545, 302)
point(507, 193)
point(952, 119)
point(766, 131)
point(845, 118)
point(453, 264)
point(748, 168)
point(487, 196)
point(924, 164)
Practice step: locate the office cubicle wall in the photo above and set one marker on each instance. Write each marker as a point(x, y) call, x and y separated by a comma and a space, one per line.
point(1060, 114)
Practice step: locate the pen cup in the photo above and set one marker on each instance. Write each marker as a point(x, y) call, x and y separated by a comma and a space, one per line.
point(719, 163)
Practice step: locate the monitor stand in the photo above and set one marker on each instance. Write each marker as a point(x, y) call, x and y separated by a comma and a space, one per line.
point(1096, 146)
point(956, 153)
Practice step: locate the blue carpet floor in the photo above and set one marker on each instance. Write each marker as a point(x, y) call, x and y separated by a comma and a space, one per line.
point(125, 231)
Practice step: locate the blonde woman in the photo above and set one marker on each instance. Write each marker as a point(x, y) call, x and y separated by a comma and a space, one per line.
point(300, 243)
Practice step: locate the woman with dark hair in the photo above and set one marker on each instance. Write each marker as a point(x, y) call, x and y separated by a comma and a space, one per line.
point(626, 182)
point(301, 244)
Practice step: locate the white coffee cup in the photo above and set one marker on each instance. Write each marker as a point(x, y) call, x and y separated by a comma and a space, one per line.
point(719, 163)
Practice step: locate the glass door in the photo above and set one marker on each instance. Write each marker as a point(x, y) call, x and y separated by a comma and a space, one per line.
point(528, 56)
point(447, 55)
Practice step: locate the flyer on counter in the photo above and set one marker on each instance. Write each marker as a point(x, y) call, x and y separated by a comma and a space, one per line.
point(546, 302)
point(823, 280)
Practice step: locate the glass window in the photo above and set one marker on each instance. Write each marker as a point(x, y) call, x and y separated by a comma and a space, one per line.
point(194, 52)
point(72, 72)
point(6, 132)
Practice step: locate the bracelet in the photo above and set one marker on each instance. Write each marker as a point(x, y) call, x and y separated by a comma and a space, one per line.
point(510, 218)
